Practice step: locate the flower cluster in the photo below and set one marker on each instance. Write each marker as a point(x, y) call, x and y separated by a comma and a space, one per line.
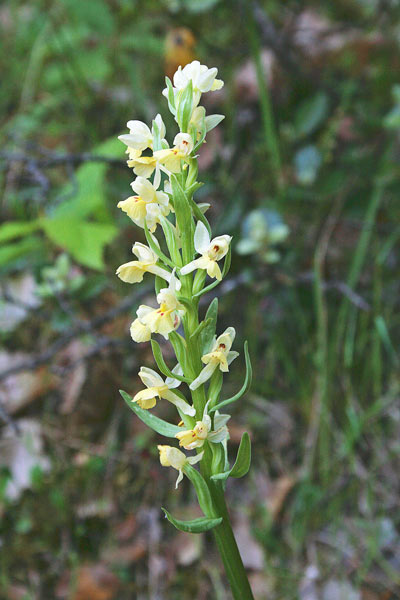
point(166, 178)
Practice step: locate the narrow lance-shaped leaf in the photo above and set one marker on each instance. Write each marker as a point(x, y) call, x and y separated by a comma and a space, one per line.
point(246, 385)
point(202, 491)
point(199, 329)
point(161, 364)
point(242, 462)
point(171, 240)
point(183, 216)
point(195, 525)
point(158, 425)
point(155, 248)
point(200, 216)
point(209, 331)
point(185, 107)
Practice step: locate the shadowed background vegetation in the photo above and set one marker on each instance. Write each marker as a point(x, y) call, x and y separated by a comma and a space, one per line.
point(304, 173)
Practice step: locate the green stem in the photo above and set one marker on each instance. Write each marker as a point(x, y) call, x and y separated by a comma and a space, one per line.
point(223, 533)
point(228, 549)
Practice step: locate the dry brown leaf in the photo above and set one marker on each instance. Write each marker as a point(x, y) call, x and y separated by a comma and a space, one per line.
point(127, 554)
point(21, 389)
point(95, 582)
point(277, 495)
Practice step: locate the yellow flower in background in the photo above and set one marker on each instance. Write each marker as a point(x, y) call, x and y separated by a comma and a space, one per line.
point(172, 457)
point(220, 357)
point(133, 271)
point(157, 388)
point(211, 251)
point(195, 438)
point(160, 320)
point(147, 203)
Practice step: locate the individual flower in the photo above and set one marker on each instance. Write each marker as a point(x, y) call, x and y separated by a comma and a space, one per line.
point(133, 271)
point(195, 438)
point(157, 388)
point(140, 136)
point(220, 357)
point(203, 80)
point(160, 320)
point(211, 251)
point(172, 457)
point(147, 205)
point(170, 158)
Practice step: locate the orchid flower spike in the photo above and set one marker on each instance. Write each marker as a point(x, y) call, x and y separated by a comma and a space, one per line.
point(172, 457)
point(195, 438)
point(211, 251)
point(133, 271)
point(161, 320)
point(220, 356)
point(156, 387)
point(148, 203)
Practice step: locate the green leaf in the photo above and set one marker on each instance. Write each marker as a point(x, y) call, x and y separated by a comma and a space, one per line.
point(227, 264)
point(209, 331)
point(155, 248)
point(183, 217)
point(199, 329)
point(311, 113)
point(199, 215)
point(202, 491)
point(184, 108)
point(246, 385)
point(179, 346)
point(10, 253)
point(195, 525)
point(243, 458)
point(212, 121)
point(158, 425)
point(242, 462)
point(158, 357)
point(90, 185)
point(171, 240)
point(84, 240)
point(9, 231)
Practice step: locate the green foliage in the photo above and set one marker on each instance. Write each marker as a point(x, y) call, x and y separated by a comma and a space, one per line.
point(158, 425)
point(195, 525)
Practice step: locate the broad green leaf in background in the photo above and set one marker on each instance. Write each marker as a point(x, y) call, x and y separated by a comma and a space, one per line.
point(85, 241)
point(311, 113)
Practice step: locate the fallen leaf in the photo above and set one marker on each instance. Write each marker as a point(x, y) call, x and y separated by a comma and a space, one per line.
point(20, 389)
point(95, 582)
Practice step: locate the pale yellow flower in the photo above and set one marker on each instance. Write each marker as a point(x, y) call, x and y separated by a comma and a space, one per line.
point(211, 251)
point(220, 357)
point(157, 388)
point(172, 457)
point(133, 271)
point(147, 205)
point(195, 438)
point(160, 320)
